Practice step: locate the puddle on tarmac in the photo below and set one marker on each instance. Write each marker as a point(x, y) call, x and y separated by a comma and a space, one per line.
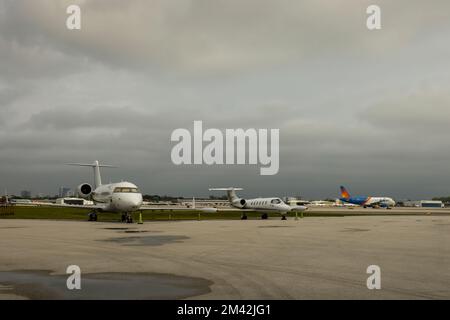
point(135, 231)
point(157, 240)
point(37, 285)
point(11, 227)
point(130, 230)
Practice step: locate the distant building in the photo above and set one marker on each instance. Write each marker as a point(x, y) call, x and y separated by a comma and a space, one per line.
point(20, 201)
point(76, 201)
point(25, 194)
point(65, 192)
point(425, 204)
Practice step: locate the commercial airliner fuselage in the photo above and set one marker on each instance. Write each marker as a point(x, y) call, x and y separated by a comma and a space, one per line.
point(364, 201)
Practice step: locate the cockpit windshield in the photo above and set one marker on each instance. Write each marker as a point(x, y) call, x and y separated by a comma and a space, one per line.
point(126, 190)
point(276, 201)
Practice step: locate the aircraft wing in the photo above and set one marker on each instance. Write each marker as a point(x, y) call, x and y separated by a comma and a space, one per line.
point(298, 208)
point(237, 210)
point(379, 203)
point(247, 210)
point(203, 209)
point(293, 209)
point(78, 206)
point(159, 208)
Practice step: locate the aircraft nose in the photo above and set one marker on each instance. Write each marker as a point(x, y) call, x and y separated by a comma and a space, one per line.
point(298, 208)
point(136, 202)
point(130, 202)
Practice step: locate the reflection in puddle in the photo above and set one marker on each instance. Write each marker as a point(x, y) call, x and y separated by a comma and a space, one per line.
point(112, 286)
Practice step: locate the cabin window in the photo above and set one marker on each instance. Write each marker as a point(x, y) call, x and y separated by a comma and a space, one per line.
point(126, 190)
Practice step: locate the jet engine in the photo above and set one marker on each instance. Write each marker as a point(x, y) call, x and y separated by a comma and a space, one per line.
point(84, 190)
point(239, 203)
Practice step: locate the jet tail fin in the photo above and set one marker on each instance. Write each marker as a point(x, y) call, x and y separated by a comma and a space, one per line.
point(231, 192)
point(6, 197)
point(96, 166)
point(91, 165)
point(344, 193)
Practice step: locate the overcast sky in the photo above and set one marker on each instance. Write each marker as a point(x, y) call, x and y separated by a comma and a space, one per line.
point(367, 109)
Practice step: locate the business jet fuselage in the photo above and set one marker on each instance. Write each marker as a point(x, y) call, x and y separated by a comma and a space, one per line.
point(121, 197)
point(262, 205)
point(118, 197)
point(267, 205)
point(112, 197)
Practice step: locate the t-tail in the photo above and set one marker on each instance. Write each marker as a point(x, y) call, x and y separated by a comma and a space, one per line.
point(231, 192)
point(6, 197)
point(344, 193)
point(96, 166)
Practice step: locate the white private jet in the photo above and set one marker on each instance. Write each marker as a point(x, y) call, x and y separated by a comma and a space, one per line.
point(121, 197)
point(261, 205)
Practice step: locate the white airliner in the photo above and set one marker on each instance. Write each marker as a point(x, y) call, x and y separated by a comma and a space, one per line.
point(121, 197)
point(261, 205)
point(365, 201)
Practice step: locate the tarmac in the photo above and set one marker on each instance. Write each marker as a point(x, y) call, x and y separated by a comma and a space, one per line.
point(309, 258)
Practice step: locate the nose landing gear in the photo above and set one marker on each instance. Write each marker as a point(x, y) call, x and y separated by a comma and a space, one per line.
point(92, 216)
point(126, 217)
point(283, 217)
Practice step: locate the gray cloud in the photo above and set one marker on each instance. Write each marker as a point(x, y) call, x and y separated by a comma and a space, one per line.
point(367, 109)
point(423, 112)
point(215, 36)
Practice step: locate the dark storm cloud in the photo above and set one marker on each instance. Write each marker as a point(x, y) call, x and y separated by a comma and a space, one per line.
point(195, 37)
point(368, 109)
point(427, 112)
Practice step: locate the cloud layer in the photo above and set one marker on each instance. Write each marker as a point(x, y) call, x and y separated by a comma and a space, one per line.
point(355, 107)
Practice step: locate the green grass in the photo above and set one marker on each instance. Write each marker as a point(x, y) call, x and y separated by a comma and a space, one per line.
point(23, 212)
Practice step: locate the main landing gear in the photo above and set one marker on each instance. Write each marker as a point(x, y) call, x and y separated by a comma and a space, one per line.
point(92, 216)
point(244, 216)
point(283, 217)
point(264, 216)
point(126, 217)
